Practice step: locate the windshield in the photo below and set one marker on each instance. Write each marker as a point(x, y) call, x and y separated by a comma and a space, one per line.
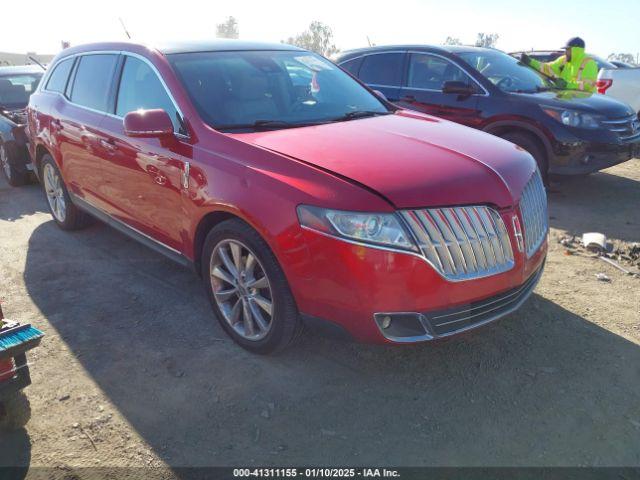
point(507, 73)
point(271, 89)
point(15, 90)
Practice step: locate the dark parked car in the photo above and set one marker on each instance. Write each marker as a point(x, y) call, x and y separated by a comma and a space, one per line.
point(567, 132)
point(296, 192)
point(16, 85)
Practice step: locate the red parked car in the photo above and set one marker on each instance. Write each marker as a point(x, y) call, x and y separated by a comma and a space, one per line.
point(298, 194)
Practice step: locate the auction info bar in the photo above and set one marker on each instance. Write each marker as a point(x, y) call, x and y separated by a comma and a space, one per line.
point(286, 473)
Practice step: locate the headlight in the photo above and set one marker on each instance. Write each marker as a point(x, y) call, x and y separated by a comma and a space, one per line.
point(573, 118)
point(381, 229)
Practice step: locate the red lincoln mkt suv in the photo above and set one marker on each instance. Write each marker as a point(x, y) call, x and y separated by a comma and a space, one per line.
point(298, 194)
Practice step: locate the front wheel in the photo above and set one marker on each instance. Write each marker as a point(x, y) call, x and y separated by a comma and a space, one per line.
point(525, 141)
point(16, 174)
point(15, 412)
point(248, 289)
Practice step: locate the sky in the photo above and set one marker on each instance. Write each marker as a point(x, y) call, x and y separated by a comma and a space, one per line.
point(607, 27)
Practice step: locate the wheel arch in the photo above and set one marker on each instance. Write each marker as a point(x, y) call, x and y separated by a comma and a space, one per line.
point(502, 127)
point(41, 151)
point(205, 225)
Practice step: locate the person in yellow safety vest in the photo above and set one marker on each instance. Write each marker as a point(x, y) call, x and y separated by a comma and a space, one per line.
point(574, 71)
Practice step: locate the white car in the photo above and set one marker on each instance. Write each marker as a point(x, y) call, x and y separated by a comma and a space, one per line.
point(622, 84)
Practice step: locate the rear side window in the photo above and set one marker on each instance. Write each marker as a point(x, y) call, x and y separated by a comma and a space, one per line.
point(382, 69)
point(140, 88)
point(92, 81)
point(58, 78)
point(352, 66)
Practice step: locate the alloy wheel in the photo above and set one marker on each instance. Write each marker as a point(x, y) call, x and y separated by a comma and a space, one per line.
point(55, 193)
point(241, 289)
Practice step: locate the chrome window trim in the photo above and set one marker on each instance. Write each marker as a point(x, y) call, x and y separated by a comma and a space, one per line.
point(464, 70)
point(379, 85)
point(113, 52)
point(485, 94)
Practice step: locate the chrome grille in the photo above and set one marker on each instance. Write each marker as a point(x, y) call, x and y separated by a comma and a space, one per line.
point(462, 243)
point(533, 207)
point(627, 128)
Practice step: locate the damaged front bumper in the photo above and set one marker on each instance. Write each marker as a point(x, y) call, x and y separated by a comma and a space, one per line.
point(581, 158)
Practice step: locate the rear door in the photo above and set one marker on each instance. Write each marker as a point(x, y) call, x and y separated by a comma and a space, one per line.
point(143, 177)
point(423, 84)
point(383, 72)
point(78, 121)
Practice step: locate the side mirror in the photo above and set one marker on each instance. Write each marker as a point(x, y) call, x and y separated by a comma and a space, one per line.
point(148, 124)
point(458, 88)
point(380, 95)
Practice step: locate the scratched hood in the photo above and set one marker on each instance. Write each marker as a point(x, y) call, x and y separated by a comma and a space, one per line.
point(411, 159)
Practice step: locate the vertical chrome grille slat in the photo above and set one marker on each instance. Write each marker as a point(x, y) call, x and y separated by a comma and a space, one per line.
point(476, 243)
point(438, 241)
point(465, 242)
point(462, 242)
point(486, 244)
point(533, 209)
point(452, 241)
point(425, 242)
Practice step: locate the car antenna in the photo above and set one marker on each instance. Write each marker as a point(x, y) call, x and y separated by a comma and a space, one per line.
point(37, 62)
point(124, 28)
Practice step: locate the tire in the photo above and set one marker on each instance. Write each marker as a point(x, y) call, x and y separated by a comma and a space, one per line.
point(15, 173)
point(66, 215)
point(530, 145)
point(15, 412)
point(237, 241)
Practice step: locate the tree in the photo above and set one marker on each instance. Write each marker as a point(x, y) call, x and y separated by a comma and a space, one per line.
point(228, 29)
point(623, 57)
point(488, 40)
point(317, 38)
point(452, 41)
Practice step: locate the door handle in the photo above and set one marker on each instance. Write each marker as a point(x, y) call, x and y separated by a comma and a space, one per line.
point(109, 145)
point(186, 172)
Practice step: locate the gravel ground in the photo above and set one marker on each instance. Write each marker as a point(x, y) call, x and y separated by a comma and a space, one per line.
point(134, 372)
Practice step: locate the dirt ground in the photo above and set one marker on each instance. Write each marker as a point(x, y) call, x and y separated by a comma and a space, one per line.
point(133, 370)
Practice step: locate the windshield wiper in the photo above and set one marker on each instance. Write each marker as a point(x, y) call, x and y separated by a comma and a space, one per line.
point(262, 124)
point(359, 114)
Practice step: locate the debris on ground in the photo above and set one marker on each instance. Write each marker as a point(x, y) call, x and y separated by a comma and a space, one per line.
point(603, 277)
point(594, 242)
point(615, 265)
point(594, 245)
point(626, 253)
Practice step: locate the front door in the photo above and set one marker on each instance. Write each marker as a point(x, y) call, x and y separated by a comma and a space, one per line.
point(423, 85)
point(143, 177)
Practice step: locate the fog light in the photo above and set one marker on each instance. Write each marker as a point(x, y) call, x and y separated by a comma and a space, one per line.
point(402, 326)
